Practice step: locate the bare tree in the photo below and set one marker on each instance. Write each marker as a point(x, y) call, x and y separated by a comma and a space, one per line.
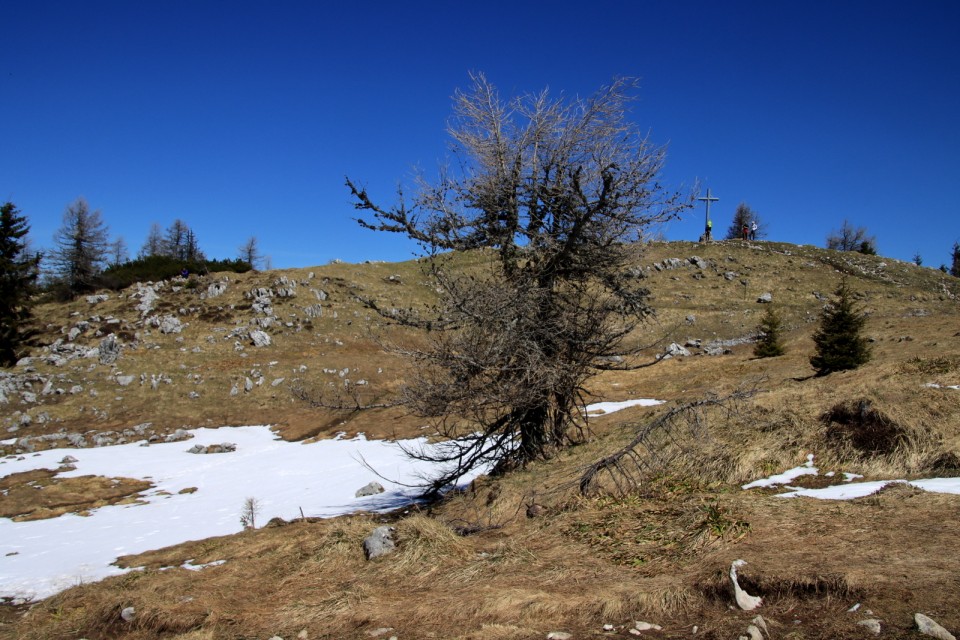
point(118, 251)
point(744, 216)
point(850, 238)
point(176, 240)
point(153, 246)
point(557, 194)
point(249, 252)
point(80, 247)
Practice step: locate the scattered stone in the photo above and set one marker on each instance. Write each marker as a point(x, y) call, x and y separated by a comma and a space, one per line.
point(216, 289)
point(68, 460)
point(930, 628)
point(379, 543)
point(224, 447)
point(234, 390)
point(125, 381)
point(872, 625)
point(109, 349)
point(731, 275)
point(170, 324)
point(314, 311)
point(102, 297)
point(277, 382)
point(753, 632)
point(698, 262)
point(646, 626)
point(535, 510)
point(128, 614)
point(247, 385)
point(376, 633)
point(177, 436)
point(260, 339)
point(675, 350)
point(559, 635)
point(370, 489)
point(691, 319)
point(765, 298)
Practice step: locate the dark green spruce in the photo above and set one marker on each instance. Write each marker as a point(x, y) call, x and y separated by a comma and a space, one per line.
point(840, 345)
point(18, 275)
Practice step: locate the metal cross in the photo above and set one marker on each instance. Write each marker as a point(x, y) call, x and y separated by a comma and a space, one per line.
point(708, 199)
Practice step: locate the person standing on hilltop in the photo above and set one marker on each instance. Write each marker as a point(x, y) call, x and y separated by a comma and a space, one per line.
point(753, 230)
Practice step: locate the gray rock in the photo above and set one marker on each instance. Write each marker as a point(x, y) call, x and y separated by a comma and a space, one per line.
point(234, 390)
point(247, 385)
point(765, 298)
point(125, 381)
point(128, 614)
point(177, 436)
point(277, 382)
point(691, 319)
point(930, 628)
point(314, 311)
point(872, 625)
point(260, 339)
point(68, 460)
point(559, 635)
point(730, 275)
point(675, 350)
point(370, 489)
point(109, 349)
point(97, 298)
point(148, 298)
point(170, 324)
point(379, 543)
point(216, 289)
point(698, 262)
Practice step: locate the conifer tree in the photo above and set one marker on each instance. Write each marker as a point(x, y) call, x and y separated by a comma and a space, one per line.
point(839, 343)
point(80, 247)
point(18, 274)
point(769, 344)
point(955, 258)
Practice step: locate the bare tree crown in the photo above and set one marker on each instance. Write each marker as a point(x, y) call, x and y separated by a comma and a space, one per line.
point(561, 192)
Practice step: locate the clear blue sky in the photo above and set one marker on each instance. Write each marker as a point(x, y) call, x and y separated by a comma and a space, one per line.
point(242, 118)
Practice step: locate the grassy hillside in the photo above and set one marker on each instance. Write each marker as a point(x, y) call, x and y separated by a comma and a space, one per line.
point(529, 553)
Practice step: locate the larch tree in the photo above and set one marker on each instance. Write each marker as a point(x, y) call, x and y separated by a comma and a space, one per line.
point(851, 238)
point(249, 252)
point(80, 247)
point(153, 245)
point(744, 216)
point(18, 276)
point(556, 195)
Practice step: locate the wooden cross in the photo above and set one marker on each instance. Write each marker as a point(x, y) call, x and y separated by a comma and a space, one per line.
point(708, 199)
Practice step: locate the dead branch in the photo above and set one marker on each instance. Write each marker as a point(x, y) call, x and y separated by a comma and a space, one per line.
point(656, 445)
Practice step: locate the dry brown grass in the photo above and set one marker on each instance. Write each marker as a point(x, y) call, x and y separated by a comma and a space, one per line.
point(660, 553)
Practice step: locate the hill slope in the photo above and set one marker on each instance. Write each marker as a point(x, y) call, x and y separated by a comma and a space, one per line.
point(658, 547)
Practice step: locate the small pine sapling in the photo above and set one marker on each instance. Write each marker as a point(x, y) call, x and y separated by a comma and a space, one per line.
point(839, 343)
point(769, 344)
point(248, 515)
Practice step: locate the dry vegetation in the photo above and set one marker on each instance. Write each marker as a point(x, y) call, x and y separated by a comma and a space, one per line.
point(477, 566)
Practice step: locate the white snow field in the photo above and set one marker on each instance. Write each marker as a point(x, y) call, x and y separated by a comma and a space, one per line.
point(42, 557)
